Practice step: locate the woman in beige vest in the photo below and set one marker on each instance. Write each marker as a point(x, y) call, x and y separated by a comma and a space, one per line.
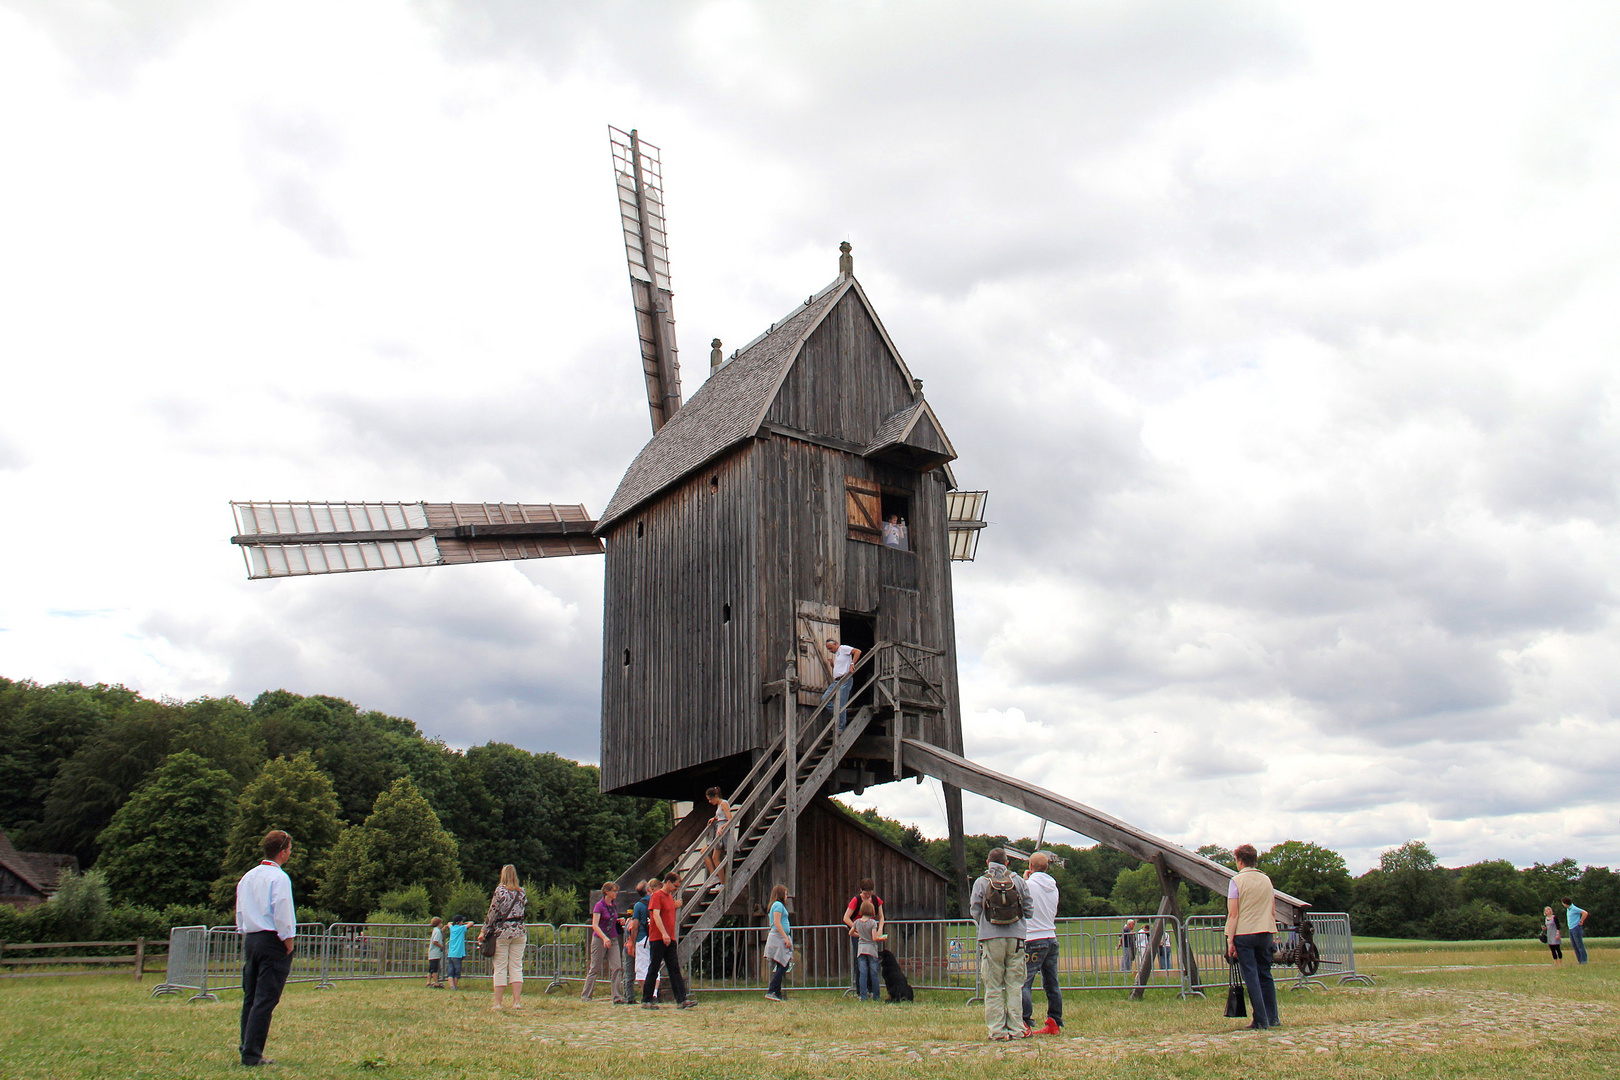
point(1250, 923)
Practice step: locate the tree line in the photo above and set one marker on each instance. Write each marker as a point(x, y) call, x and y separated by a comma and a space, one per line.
point(164, 803)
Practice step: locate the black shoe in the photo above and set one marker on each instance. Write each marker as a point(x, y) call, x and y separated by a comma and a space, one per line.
point(261, 1061)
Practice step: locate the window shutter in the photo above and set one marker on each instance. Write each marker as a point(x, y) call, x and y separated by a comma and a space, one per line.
point(864, 504)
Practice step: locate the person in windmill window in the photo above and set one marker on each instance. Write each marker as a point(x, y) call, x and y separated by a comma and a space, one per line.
point(718, 857)
point(844, 659)
point(895, 534)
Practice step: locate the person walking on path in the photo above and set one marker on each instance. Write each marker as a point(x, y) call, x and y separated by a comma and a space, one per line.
point(436, 954)
point(455, 951)
point(267, 921)
point(664, 910)
point(718, 857)
point(1000, 907)
point(1250, 923)
point(867, 937)
point(1041, 946)
point(1576, 920)
point(635, 937)
point(505, 922)
point(1549, 934)
point(779, 942)
point(604, 943)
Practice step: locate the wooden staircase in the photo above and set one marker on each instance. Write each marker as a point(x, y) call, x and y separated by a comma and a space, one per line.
point(760, 808)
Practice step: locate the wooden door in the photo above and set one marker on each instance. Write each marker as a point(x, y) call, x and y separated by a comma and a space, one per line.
point(814, 625)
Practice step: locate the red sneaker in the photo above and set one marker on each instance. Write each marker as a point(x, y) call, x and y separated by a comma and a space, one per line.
point(1051, 1028)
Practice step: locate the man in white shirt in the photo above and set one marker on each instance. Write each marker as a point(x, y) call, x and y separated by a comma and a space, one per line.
point(845, 657)
point(267, 922)
point(1041, 946)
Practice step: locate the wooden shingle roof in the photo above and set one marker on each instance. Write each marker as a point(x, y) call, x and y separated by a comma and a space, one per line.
point(727, 408)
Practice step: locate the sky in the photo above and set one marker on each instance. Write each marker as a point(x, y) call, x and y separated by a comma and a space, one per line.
point(1281, 334)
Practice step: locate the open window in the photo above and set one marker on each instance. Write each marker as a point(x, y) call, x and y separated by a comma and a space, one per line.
point(878, 515)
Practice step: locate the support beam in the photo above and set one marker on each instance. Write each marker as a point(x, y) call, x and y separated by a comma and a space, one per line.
point(966, 775)
point(953, 822)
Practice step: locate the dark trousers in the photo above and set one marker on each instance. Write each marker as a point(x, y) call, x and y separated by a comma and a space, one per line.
point(266, 965)
point(663, 952)
point(1254, 960)
point(777, 972)
point(1041, 958)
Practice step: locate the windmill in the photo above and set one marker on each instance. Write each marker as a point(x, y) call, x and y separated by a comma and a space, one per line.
point(803, 495)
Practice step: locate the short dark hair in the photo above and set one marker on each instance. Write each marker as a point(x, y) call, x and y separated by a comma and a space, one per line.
point(1567, 902)
point(866, 885)
point(997, 855)
point(671, 876)
point(1245, 855)
point(275, 842)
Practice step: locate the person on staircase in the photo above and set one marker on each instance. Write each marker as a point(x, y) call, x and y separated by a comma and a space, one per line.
point(718, 857)
point(845, 657)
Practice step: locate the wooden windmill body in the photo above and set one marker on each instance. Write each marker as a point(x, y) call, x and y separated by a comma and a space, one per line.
point(743, 535)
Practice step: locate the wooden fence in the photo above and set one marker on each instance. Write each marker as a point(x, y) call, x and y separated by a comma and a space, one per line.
point(96, 961)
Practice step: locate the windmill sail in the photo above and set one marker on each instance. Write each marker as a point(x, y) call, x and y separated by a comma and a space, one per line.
point(638, 174)
point(964, 520)
point(295, 539)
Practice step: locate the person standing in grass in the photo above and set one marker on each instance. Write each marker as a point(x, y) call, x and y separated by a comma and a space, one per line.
point(1041, 946)
point(505, 921)
point(779, 941)
point(605, 944)
point(1000, 907)
point(436, 954)
point(665, 911)
point(268, 923)
point(455, 951)
point(1549, 934)
point(635, 936)
point(1127, 945)
point(867, 936)
point(1576, 919)
point(1250, 923)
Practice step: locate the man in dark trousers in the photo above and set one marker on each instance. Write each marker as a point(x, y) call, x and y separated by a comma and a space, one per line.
point(663, 907)
point(266, 921)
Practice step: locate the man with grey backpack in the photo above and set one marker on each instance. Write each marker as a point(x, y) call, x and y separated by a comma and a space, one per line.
point(1000, 906)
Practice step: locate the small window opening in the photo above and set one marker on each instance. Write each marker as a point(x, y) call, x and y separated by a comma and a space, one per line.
point(641, 528)
point(627, 658)
point(714, 483)
point(725, 612)
point(896, 520)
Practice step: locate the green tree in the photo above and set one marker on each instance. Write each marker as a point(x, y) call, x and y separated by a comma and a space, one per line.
point(399, 845)
point(1500, 883)
point(1402, 897)
point(164, 842)
point(293, 795)
point(1137, 892)
point(1309, 872)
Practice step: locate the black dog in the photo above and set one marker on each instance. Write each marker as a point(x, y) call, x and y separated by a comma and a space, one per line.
point(894, 980)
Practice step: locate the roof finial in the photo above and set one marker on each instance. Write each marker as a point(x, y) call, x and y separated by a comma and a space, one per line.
point(715, 357)
point(916, 388)
point(846, 261)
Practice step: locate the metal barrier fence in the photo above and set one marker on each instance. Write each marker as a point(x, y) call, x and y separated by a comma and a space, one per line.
point(1334, 943)
point(1094, 953)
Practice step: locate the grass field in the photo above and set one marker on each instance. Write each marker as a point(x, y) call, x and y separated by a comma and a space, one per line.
point(1440, 1010)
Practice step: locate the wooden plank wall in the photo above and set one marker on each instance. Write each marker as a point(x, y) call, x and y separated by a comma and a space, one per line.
point(690, 694)
point(845, 383)
point(835, 853)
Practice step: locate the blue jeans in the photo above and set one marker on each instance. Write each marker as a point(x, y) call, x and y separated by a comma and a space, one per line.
point(1041, 957)
point(777, 971)
point(866, 977)
point(1254, 959)
point(1577, 939)
point(841, 688)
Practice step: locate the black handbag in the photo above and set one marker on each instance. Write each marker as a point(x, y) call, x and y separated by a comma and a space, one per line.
point(1237, 1005)
point(486, 947)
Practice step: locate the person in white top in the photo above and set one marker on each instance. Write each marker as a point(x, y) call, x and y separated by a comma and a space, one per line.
point(267, 921)
point(845, 657)
point(1041, 946)
point(894, 533)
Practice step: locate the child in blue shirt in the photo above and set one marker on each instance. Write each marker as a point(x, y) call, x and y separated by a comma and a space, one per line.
point(456, 951)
